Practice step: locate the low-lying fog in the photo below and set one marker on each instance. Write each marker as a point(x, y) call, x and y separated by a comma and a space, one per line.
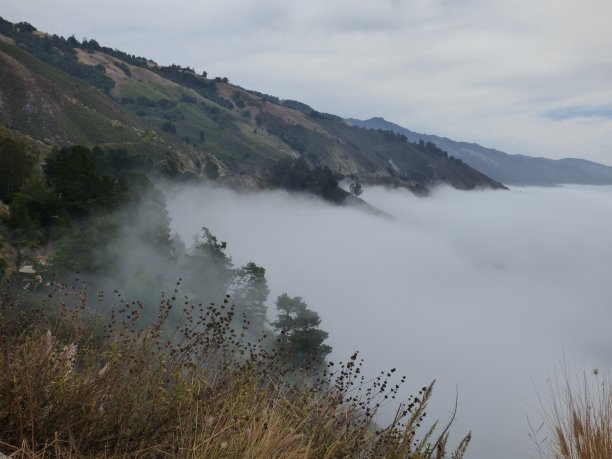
point(485, 291)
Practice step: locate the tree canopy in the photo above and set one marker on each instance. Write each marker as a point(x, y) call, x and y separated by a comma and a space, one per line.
point(302, 341)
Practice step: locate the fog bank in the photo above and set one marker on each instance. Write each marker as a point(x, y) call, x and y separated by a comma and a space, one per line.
point(483, 290)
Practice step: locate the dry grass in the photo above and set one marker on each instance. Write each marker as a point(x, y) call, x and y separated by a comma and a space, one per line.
point(73, 385)
point(577, 417)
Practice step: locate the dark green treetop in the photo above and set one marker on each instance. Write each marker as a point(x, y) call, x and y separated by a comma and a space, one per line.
point(302, 341)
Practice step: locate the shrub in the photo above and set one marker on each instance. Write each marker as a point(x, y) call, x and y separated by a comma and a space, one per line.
point(169, 127)
point(73, 384)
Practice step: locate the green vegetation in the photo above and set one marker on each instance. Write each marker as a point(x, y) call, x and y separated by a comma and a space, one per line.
point(124, 68)
point(428, 147)
point(55, 108)
point(17, 163)
point(242, 99)
point(297, 175)
point(173, 116)
point(211, 170)
point(91, 375)
point(90, 207)
point(213, 378)
point(58, 52)
point(301, 341)
point(250, 291)
point(301, 139)
point(187, 77)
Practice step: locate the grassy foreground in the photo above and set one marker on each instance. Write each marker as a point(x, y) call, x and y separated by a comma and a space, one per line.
point(577, 417)
point(74, 384)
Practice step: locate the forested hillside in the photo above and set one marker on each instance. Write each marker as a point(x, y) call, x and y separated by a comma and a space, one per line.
point(60, 91)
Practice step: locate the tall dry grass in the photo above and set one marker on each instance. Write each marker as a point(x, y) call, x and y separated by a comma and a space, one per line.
point(74, 384)
point(577, 417)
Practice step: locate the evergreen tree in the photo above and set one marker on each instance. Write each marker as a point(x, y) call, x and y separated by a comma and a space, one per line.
point(301, 341)
point(356, 188)
point(145, 213)
point(73, 175)
point(87, 247)
point(211, 269)
point(16, 165)
point(34, 209)
point(250, 292)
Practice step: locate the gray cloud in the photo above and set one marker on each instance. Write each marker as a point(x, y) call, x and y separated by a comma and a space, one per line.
point(484, 290)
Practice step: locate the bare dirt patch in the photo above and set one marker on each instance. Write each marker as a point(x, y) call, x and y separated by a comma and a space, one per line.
point(6, 39)
point(14, 67)
point(293, 116)
point(139, 74)
point(287, 114)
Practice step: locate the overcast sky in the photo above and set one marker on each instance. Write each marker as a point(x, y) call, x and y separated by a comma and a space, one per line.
point(530, 77)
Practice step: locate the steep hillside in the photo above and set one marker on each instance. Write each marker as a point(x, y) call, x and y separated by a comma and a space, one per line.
point(61, 91)
point(55, 108)
point(505, 168)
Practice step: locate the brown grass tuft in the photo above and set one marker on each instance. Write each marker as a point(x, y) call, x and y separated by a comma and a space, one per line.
point(577, 417)
point(75, 385)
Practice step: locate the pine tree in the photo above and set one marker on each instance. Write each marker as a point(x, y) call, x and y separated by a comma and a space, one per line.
point(212, 269)
point(301, 341)
point(250, 292)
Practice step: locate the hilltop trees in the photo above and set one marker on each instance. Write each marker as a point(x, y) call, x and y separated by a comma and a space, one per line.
point(432, 149)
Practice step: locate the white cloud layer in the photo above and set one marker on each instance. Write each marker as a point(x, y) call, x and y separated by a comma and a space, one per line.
point(482, 290)
point(476, 70)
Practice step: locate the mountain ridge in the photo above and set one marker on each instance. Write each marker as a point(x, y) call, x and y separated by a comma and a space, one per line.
point(506, 168)
point(61, 91)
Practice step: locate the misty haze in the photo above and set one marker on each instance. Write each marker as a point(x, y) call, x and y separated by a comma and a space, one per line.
point(283, 230)
point(485, 291)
